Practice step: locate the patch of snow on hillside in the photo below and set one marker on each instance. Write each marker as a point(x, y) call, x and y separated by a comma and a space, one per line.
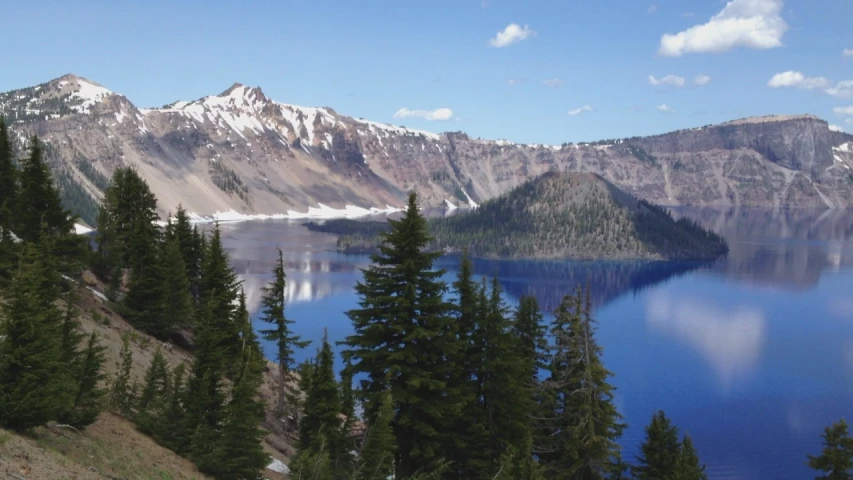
point(277, 465)
point(388, 128)
point(329, 139)
point(322, 212)
point(81, 229)
point(837, 158)
point(90, 94)
point(844, 147)
point(471, 202)
point(120, 116)
point(504, 143)
point(450, 205)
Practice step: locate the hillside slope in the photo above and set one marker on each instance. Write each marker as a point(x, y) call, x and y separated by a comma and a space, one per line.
point(243, 151)
point(572, 215)
point(112, 447)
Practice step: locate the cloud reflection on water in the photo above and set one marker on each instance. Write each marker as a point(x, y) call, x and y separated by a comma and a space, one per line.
point(729, 339)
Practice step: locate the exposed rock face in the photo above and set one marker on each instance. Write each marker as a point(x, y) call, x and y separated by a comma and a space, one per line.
point(240, 150)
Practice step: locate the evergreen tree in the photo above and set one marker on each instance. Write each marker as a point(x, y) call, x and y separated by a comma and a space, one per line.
point(88, 396)
point(218, 292)
point(404, 328)
point(8, 178)
point(660, 452)
point(586, 424)
point(122, 393)
point(836, 459)
point(376, 460)
point(126, 228)
point(181, 230)
point(40, 206)
point(530, 332)
point(320, 428)
point(33, 389)
point(166, 428)
point(241, 450)
point(8, 254)
point(280, 333)
point(177, 298)
point(156, 386)
point(145, 303)
point(689, 467)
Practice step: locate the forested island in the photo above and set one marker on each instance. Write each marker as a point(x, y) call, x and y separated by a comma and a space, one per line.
point(558, 215)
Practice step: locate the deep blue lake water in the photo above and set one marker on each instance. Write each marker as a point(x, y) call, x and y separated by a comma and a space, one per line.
point(751, 355)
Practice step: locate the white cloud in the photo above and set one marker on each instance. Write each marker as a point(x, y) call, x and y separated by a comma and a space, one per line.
point(441, 114)
point(580, 110)
point(836, 128)
point(797, 80)
point(688, 14)
point(756, 24)
point(516, 81)
point(842, 89)
point(652, 8)
point(671, 80)
point(701, 79)
point(847, 52)
point(513, 33)
point(843, 111)
point(552, 82)
point(665, 108)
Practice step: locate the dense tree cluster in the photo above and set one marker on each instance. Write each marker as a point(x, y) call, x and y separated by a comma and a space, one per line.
point(47, 371)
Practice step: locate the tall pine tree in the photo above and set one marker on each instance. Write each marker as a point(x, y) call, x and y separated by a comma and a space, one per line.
point(39, 204)
point(659, 453)
point(33, 387)
point(281, 334)
point(403, 336)
point(8, 178)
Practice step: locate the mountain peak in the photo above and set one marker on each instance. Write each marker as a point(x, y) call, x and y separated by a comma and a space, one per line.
point(238, 90)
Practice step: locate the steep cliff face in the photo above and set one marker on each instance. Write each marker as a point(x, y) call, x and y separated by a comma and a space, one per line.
point(243, 151)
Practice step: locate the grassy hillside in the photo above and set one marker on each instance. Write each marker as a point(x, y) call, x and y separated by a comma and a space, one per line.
point(112, 447)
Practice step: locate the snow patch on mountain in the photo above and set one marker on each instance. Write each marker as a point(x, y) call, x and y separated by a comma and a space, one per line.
point(471, 202)
point(322, 212)
point(90, 93)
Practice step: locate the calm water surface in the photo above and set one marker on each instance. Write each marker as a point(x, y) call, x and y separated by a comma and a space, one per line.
point(752, 355)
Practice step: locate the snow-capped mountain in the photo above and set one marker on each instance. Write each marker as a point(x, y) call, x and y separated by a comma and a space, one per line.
point(242, 151)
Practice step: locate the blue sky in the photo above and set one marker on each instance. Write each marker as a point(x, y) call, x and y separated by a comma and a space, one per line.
point(441, 65)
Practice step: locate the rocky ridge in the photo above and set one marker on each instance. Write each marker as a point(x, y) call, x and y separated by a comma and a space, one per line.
point(242, 151)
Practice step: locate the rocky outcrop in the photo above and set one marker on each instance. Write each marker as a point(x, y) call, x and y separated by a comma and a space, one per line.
point(243, 151)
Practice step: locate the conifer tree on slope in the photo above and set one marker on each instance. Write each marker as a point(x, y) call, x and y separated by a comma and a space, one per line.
point(403, 327)
point(836, 459)
point(147, 295)
point(125, 224)
point(280, 333)
point(181, 230)
point(88, 393)
point(8, 178)
point(39, 204)
point(240, 446)
point(218, 293)
point(586, 424)
point(32, 388)
point(177, 296)
point(320, 428)
point(376, 460)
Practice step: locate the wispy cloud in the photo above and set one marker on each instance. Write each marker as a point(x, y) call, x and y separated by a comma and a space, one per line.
point(669, 80)
point(513, 33)
point(688, 14)
point(756, 24)
point(665, 108)
point(847, 52)
point(580, 110)
point(842, 89)
point(843, 111)
point(793, 79)
point(797, 80)
point(652, 8)
point(440, 114)
point(835, 128)
point(701, 80)
point(553, 82)
point(517, 81)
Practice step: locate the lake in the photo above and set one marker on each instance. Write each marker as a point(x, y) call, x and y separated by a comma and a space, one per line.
point(752, 355)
